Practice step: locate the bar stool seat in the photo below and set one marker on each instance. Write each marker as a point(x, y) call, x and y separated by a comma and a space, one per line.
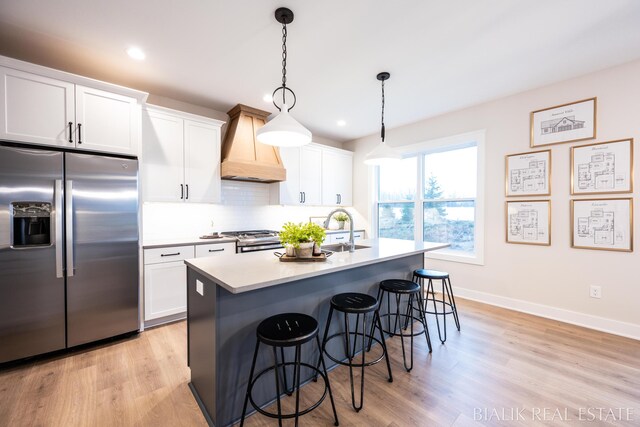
point(281, 331)
point(448, 302)
point(351, 303)
point(403, 319)
point(287, 329)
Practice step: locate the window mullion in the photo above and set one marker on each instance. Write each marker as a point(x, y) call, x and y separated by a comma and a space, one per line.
point(418, 215)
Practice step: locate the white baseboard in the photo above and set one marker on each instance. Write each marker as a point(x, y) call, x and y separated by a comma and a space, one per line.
point(603, 324)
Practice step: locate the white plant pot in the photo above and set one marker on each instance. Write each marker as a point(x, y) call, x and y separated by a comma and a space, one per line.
point(316, 249)
point(305, 250)
point(341, 225)
point(291, 251)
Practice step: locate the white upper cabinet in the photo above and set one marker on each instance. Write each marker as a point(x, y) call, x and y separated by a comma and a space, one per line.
point(180, 157)
point(36, 109)
point(304, 182)
point(337, 177)
point(316, 176)
point(106, 121)
point(202, 161)
point(40, 105)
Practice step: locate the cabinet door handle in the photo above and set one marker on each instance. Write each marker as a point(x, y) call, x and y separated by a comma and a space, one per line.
point(181, 191)
point(337, 199)
point(340, 238)
point(300, 197)
point(172, 254)
point(79, 133)
point(216, 250)
point(187, 197)
point(71, 132)
point(304, 197)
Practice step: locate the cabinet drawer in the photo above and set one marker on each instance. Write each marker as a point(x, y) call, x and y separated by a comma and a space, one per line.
point(215, 249)
point(339, 237)
point(172, 253)
point(358, 235)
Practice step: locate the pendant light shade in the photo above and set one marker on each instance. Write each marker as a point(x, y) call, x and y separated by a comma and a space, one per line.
point(283, 130)
point(382, 154)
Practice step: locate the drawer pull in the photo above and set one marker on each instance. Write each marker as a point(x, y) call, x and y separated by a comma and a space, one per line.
point(216, 250)
point(173, 254)
point(339, 238)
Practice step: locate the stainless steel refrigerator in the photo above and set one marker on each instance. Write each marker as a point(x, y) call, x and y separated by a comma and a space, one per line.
point(68, 249)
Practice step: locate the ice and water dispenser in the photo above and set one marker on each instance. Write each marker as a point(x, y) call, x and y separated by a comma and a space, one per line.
point(31, 224)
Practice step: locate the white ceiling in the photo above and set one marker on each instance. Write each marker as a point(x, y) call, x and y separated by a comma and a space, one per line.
point(442, 55)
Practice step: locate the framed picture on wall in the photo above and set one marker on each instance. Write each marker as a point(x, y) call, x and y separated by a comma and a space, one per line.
point(529, 222)
point(605, 167)
point(604, 224)
point(528, 174)
point(571, 122)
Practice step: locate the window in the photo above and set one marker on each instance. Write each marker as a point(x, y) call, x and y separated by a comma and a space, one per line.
point(433, 195)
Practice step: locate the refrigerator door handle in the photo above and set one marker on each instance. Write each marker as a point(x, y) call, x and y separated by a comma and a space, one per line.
point(58, 227)
point(69, 226)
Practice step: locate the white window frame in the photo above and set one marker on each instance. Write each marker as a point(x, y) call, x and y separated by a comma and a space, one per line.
point(419, 150)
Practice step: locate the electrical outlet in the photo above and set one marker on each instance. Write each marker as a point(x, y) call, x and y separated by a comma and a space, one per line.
point(595, 291)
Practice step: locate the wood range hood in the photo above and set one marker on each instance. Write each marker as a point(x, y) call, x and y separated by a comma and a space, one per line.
point(243, 157)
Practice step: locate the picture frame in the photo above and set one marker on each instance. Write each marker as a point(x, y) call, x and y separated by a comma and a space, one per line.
point(528, 222)
point(604, 167)
point(528, 174)
point(602, 224)
point(571, 122)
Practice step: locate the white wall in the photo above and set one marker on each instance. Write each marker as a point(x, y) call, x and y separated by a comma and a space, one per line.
point(552, 281)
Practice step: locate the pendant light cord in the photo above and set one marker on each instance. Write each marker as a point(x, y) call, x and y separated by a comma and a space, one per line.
point(284, 61)
point(382, 119)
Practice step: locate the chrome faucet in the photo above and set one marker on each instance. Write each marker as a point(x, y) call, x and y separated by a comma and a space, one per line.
point(352, 246)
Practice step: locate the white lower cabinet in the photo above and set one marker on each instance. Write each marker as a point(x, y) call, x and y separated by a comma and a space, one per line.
point(165, 278)
point(165, 281)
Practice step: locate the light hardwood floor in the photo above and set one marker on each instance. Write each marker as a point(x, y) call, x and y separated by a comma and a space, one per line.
point(506, 368)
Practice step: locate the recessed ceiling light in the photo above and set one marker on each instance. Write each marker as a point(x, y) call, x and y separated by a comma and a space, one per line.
point(136, 53)
point(267, 98)
point(341, 123)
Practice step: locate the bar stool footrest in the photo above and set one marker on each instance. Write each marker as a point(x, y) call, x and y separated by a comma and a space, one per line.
point(287, 416)
point(354, 365)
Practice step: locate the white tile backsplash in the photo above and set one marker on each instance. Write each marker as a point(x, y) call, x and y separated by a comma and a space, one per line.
point(245, 206)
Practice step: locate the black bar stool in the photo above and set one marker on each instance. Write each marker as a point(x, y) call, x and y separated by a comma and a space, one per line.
point(358, 304)
point(399, 287)
point(447, 292)
point(288, 330)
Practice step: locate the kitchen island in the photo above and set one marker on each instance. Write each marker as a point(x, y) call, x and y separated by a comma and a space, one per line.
point(229, 296)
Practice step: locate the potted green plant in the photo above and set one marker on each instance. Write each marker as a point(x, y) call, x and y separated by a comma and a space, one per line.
point(341, 218)
point(300, 239)
point(317, 234)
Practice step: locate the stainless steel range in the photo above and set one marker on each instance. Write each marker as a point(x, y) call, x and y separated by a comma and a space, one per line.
point(254, 240)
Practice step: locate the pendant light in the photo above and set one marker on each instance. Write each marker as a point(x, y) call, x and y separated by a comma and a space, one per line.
point(283, 130)
point(382, 153)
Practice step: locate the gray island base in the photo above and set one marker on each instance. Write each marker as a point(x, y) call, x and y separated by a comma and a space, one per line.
point(228, 297)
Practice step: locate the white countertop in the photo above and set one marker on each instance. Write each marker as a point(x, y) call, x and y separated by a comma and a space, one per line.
point(245, 272)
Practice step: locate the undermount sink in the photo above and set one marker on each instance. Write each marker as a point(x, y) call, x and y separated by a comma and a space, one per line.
point(342, 247)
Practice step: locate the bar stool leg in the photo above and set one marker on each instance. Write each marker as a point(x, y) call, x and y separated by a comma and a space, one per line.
point(296, 380)
point(324, 342)
point(423, 316)
point(284, 375)
point(452, 301)
point(384, 345)
point(444, 311)
point(275, 358)
point(246, 398)
point(404, 357)
point(324, 369)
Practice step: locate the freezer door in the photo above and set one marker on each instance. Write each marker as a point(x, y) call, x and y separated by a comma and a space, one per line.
point(31, 277)
point(102, 247)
